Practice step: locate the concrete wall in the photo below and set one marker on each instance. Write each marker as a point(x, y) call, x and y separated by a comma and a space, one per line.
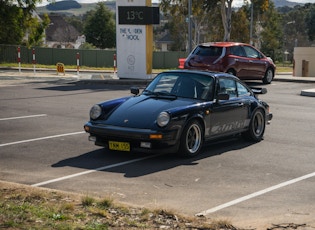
point(304, 62)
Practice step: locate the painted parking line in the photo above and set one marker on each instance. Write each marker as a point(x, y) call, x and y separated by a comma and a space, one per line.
point(255, 194)
point(22, 117)
point(41, 138)
point(95, 170)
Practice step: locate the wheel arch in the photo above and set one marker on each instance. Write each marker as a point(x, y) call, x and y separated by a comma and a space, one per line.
point(199, 118)
point(255, 109)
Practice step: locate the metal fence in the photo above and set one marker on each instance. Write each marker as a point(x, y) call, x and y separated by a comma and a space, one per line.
point(90, 58)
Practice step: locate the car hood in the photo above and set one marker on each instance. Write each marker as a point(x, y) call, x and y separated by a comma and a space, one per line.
point(142, 111)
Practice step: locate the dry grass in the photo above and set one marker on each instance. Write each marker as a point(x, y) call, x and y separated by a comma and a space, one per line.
point(26, 207)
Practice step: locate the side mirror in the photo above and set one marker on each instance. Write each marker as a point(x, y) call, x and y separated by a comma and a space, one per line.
point(223, 96)
point(134, 90)
point(259, 90)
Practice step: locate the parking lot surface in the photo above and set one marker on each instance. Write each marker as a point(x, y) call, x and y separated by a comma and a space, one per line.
point(42, 144)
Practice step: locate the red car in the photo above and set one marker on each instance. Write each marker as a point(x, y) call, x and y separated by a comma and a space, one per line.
point(239, 59)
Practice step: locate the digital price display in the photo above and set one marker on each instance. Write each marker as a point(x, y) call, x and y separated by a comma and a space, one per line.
point(138, 15)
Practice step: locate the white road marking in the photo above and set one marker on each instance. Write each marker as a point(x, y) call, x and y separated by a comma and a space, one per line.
point(41, 138)
point(22, 117)
point(255, 194)
point(94, 170)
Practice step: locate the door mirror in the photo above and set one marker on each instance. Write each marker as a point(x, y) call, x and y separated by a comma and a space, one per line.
point(134, 90)
point(223, 96)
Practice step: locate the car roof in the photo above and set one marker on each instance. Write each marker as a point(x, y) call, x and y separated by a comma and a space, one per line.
point(223, 44)
point(203, 72)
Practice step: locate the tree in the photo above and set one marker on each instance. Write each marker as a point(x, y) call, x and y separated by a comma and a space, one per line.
point(176, 11)
point(17, 20)
point(203, 21)
point(240, 26)
point(295, 28)
point(100, 27)
point(271, 34)
point(226, 12)
point(310, 23)
point(11, 19)
point(208, 8)
point(36, 30)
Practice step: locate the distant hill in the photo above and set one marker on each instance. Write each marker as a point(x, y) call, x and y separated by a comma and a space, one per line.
point(70, 7)
point(282, 3)
point(63, 5)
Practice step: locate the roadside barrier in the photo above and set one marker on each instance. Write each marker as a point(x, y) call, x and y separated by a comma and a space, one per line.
point(60, 68)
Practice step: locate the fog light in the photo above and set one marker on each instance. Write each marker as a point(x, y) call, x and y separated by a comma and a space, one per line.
point(86, 128)
point(145, 145)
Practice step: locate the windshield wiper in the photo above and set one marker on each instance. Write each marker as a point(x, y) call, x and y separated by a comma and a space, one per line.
point(160, 94)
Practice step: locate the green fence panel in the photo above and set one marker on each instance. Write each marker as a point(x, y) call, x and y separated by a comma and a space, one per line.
point(105, 58)
point(8, 53)
point(90, 58)
point(158, 60)
point(65, 56)
point(44, 56)
point(167, 59)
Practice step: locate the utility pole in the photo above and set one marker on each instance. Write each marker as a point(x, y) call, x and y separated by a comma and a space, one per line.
point(251, 22)
point(189, 27)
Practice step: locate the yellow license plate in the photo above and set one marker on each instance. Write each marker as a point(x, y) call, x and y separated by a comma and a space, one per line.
point(119, 146)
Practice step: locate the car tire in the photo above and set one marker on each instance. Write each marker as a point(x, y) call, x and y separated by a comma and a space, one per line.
point(191, 140)
point(256, 127)
point(269, 75)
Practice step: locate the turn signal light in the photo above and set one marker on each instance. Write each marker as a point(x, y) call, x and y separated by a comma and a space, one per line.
point(156, 136)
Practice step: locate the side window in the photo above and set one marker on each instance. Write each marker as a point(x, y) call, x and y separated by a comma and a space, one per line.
point(242, 90)
point(251, 53)
point(228, 86)
point(237, 51)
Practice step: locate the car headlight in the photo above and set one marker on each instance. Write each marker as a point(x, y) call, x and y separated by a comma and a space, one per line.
point(163, 119)
point(95, 112)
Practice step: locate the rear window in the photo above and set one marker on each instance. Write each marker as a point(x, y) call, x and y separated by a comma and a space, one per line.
point(209, 51)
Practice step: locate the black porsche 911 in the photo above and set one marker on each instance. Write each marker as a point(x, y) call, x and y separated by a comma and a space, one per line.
point(177, 112)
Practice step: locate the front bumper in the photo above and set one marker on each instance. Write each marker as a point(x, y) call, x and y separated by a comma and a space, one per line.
point(142, 140)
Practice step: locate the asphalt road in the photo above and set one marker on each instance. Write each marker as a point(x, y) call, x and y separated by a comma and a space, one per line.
point(42, 143)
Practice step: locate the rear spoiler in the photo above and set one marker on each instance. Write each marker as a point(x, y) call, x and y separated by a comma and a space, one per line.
point(259, 90)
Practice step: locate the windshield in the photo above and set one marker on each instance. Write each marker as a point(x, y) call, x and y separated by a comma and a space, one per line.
point(188, 85)
point(208, 51)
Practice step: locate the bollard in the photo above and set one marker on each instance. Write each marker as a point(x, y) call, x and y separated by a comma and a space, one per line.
point(34, 61)
point(181, 63)
point(78, 64)
point(115, 59)
point(60, 68)
point(19, 58)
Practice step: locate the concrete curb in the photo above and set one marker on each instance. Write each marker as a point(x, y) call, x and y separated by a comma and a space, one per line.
point(109, 78)
point(308, 92)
